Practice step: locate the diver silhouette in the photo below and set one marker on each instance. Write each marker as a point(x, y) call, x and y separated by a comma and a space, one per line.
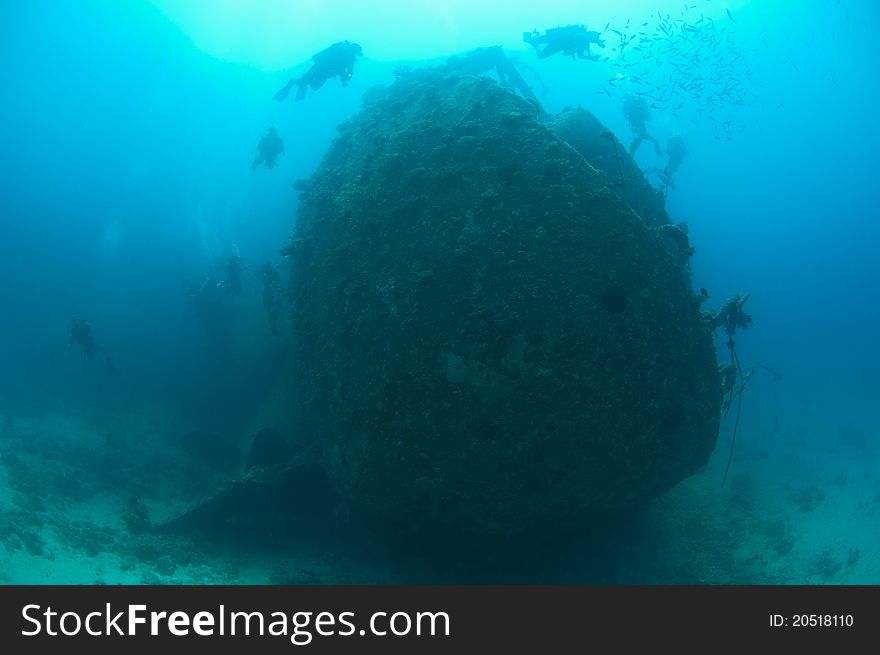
point(81, 335)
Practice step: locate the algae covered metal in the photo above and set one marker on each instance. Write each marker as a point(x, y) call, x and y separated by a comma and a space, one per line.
point(493, 339)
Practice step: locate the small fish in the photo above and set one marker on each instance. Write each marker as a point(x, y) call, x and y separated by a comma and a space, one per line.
point(606, 26)
point(729, 15)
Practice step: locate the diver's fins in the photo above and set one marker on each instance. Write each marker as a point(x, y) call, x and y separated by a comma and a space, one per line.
point(282, 94)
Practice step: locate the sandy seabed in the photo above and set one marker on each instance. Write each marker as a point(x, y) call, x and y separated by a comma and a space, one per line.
point(79, 494)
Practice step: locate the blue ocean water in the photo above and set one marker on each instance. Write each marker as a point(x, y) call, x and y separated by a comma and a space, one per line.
point(128, 133)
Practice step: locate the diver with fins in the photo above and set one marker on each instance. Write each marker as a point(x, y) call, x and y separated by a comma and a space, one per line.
point(570, 40)
point(637, 113)
point(268, 149)
point(273, 296)
point(81, 335)
point(336, 61)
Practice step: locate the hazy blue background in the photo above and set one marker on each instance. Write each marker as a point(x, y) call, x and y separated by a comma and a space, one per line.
point(127, 141)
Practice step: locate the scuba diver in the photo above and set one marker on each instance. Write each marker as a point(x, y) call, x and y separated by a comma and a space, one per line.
point(81, 334)
point(675, 151)
point(214, 313)
point(218, 289)
point(268, 149)
point(207, 294)
point(571, 40)
point(230, 283)
point(272, 294)
point(210, 307)
point(637, 113)
point(335, 61)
